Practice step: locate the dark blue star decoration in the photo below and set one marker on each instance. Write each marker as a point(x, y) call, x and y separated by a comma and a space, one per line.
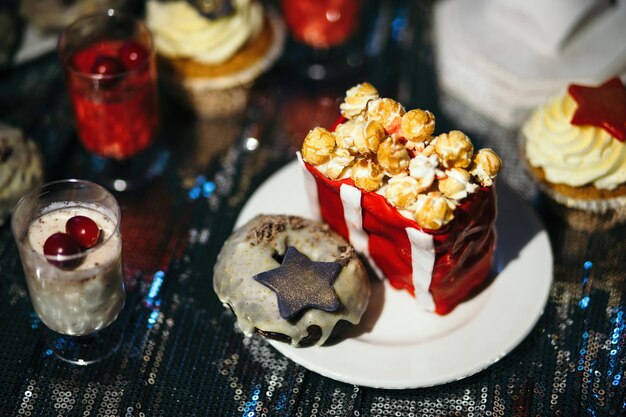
point(300, 283)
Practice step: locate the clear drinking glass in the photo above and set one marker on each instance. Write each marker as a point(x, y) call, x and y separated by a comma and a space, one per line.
point(110, 70)
point(77, 295)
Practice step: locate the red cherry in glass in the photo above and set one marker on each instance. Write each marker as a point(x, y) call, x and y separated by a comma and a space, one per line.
point(132, 54)
point(84, 231)
point(59, 245)
point(107, 65)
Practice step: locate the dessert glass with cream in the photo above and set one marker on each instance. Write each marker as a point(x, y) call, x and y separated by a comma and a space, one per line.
point(69, 241)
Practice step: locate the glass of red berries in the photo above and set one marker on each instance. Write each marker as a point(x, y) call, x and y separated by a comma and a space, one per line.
point(69, 241)
point(110, 69)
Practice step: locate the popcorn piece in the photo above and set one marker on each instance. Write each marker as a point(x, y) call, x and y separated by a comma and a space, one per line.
point(423, 168)
point(346, 132)
point(402, 191)
point(356, 100)
point(357, 137)
point(457, 185)
point(455, 149)
point(417, 125)
point(339, 161)
point(485, 166)
point(387, 112)
point(367, 175)
point(430, 148)
point(318, 146)
point(415, 148)
point(432, 211)
point(373, 135)
point(393, 157)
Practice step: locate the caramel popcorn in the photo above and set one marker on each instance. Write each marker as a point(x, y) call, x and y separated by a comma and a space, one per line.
point(385, 111)
point(383, 147)
point(432, 211)
point(356, 100)
point(373, 135)
point(345, 134)
point(417, 125)
point(367, 175)
point(318, 146)
point(485, 166)
point(423, 168)
point(457, 184)
point(393, 157)
point(402, 191)
point(339, 161)
point(455, 149)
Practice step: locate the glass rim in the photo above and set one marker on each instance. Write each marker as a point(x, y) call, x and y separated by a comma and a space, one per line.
point(38, 192)
point(110, 14)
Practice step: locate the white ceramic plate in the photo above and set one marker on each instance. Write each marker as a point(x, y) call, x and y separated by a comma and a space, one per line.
point(397, 346)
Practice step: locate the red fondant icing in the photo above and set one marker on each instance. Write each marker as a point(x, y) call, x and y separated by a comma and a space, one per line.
point(463, 248)
point(603, 106)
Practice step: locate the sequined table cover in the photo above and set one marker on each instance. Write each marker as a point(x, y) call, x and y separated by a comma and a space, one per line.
point(179, 351)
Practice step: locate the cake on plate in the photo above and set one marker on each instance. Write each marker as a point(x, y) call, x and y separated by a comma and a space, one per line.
point(420, 207)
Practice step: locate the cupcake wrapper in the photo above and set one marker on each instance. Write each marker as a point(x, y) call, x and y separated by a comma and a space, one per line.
point(594, 206)
point(584, 220)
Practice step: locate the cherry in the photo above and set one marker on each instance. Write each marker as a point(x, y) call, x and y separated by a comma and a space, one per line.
point(132, 54)
point(61, 244)
point(107, 65)
point(84, 231)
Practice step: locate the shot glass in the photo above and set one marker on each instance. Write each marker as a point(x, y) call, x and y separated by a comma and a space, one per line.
point(75, 291)
point(110, 70)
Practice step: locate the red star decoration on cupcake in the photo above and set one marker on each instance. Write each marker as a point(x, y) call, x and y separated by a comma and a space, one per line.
point(603, 106)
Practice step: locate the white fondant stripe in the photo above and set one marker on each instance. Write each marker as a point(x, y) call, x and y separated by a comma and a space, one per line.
point(353, 215)
point(311, 189)
point(422, 263)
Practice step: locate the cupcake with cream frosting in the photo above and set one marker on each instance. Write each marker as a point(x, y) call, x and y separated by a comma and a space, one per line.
point(209, 59)
point(575, 147)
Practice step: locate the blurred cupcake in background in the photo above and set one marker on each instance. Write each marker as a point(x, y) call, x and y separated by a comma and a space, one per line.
point(211, 52)
point(575, 148)
point(21, 168)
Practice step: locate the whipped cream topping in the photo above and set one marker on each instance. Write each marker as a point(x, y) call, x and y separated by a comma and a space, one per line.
point(569, 154)
point(180, 31)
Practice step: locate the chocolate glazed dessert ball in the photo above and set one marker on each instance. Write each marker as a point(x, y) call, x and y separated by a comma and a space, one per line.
point(290, 279)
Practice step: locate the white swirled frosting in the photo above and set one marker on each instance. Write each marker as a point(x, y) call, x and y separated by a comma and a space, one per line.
point(570, 154)
point(180, 31)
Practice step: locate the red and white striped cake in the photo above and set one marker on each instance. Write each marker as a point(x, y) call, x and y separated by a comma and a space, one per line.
point(421, 208)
